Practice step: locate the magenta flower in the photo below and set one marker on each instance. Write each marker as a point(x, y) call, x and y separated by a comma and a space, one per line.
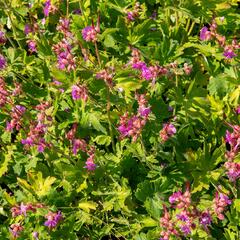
point(220, 202)
point(16, 118)
point(53, 219)
point(233, 170)
point(205, 35)
point(144, 111)
point(28, 29)
point(139, 65)
point(3, 62)
point(130, 16)
point(2, 38)
point(168, 131)
point(146, 73)
point(90, 165)
point(183, 216)
point(23, 209)
point(205, 218)
point(79, 92)
point(64, 27)
point(229, 53)
point(3, 93)
point(89, 34)
point(185, 229)
point(79, 144)
point(175, 197)
point(237, 110)
point(48, 8)
point(32, 46)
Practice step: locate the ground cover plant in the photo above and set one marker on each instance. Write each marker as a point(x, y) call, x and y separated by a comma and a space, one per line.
point(119, 119)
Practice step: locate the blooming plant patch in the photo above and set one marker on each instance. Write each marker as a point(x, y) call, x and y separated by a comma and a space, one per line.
point(119, 119)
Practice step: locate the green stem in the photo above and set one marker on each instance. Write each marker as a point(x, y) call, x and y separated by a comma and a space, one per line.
point(191, 28)
point(109, 119)
point(97, 54)
point(67, 8)
point(188, 24)
point(13, 27)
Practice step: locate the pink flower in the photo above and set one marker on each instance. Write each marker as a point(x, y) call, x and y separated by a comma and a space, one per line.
point(3, 62)
point(89, 34)
point(229, 52)
point(90, 165)
point(233, 170)
point(146, 73)
point(16, 229)
point(79, 92)
point(205, 35)
point(175, 197)
point(130, 16)
point(79, 144)
point(220, 202)
point(205, 218)
point(64, 27)
point(53, 219)
point(168, 131)
point(48, 8)
point(3, 39)
point(28, 29)
point(32, 46)
point(4, 94)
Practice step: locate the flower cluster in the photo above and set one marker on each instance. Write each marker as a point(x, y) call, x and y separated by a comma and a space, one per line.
point(153, 72)
point(64, 27)
point(16, 229)
point(221, 201)
point(106, 75)
point(30, 28)
point(16, 118)
point(168, 131)
point(3, 93)
point(3, 39)
point(3, 62)
point(89, 33)
point(49, 8)
point(134, 14)
point(186, 217)
point(53, 218)
point(90, 165)
point(66, 59)
point(80, 144)
point(211, 33)
point(132, 126)
point(32, 45)
point(79, 92)
point(233, 140)
point(38, 128)
point(23, 209)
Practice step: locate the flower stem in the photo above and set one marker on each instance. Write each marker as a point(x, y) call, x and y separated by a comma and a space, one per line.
point(97, 54)
point(109, 119)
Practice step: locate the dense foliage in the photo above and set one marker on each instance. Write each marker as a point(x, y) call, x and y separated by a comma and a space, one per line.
point(119, 119)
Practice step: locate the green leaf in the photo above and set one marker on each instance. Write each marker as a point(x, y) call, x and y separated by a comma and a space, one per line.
point(96, 123)
point(237, 204)
point(103, 140)
point(87, 206)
